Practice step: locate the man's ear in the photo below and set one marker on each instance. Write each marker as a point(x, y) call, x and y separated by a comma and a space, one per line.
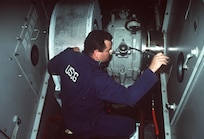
point(96, 55)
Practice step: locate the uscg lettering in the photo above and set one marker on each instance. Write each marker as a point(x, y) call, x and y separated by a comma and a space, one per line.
point(73, 75)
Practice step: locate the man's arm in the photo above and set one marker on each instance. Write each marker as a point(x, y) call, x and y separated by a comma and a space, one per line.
point(53, 66)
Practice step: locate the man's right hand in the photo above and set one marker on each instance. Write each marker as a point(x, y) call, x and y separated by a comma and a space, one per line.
point(158, 60)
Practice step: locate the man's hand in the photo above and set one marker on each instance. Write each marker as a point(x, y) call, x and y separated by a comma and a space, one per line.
point(158, 60)
point(76, 49)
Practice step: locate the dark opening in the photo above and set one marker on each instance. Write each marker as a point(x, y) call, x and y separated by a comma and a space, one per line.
point(34, 55)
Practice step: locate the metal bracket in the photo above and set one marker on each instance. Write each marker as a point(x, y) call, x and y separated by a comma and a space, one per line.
point(194, 52)
point(17, 122)
point(171, 106)
point(36, 31)
point(167, 128)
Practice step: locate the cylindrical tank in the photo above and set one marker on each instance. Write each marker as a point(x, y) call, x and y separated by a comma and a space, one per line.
point(71, 21)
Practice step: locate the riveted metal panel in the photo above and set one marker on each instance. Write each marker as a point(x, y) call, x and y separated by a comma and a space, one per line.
point(185, 35)
point(23, 37)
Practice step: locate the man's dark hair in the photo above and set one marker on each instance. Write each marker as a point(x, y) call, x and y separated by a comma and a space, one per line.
point(95, 41)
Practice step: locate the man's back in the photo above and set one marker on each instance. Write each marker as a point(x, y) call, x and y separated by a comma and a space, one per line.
point(77, 71)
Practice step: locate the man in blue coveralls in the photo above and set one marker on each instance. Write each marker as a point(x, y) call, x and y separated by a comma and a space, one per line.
point(85, 86)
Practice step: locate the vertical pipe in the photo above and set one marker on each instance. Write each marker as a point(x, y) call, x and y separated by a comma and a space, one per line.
point(141, 131)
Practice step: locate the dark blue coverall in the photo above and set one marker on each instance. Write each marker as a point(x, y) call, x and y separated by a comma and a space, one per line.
point(84, 88)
